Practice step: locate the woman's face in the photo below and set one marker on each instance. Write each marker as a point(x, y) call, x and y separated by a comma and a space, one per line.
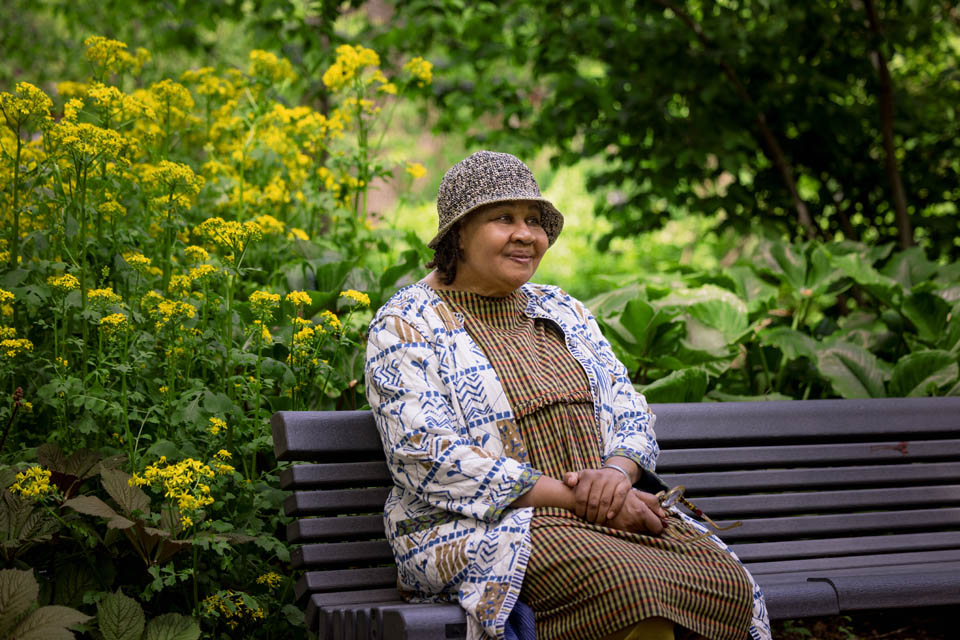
point(500, 246)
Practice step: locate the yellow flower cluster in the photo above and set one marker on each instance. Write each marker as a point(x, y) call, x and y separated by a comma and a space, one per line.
point(263, 302)
point(112, 55)
point(416, 170)
point(136, 260)
point(25, 103)
point(216, 426)
point(232, 607)
point(104, 296)
point(360, 298)
point(168, 312)
point(168, 177)
point(113, 323)
point(231, 235)
point(186, 482)
point(207, 83)
point(7, 333)
point(270, 225)
point(117, 106)
point(11, 348)
point(298, 298)
point(194, 253)
point(263, 331)
point(6, 296)
point(349, 64)
point(84, 141)
point(202, 272)
point(270, 579)
point(64, 283)
point(33, 483)
point(421, 70)
point(329, 318)
point(267, 66)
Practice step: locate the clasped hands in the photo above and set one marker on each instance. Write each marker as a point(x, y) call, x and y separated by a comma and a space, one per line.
point(605, 497)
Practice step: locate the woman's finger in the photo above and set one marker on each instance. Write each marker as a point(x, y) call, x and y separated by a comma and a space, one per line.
point(570, 478)
point(619, 498)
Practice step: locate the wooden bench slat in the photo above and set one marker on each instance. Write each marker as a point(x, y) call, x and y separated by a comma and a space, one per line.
point(843, 477)
point(712, 459)
point(842, 524)
point(306, 503)
point(367, 553)
point(345, 580)
point(818, 501)
point(779, 578)
point(926, 589)
point(855, 562)
point(345, 435)
point(344, 474)
point(335, 528)
point(739, 423)
point(751, 552)
point(329, 602)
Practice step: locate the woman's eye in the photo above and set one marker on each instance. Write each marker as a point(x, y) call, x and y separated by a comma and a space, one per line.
point(533, 221)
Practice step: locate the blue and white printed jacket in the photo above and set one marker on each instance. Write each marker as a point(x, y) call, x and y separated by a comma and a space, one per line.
point(448, 434)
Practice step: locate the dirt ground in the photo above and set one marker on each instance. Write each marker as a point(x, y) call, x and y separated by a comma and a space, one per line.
point(931, 623)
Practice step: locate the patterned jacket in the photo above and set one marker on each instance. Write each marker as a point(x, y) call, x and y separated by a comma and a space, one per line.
point(451, 443)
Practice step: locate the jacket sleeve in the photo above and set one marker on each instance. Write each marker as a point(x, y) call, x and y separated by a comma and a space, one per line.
point(427, 445)
point(632, 429)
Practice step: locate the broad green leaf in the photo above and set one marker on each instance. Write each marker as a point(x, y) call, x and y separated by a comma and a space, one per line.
point(93, 506)
point(853, 371)
point(856, 267)
point(129, 498)
point(712, 307)
point(732, 397)
point(611, 302)
point(685, 385)
point(792, 343)
point(73, 580)
point(909, 267)
point(782, 261)
point(928, 313)
point(757, 292)
point(18, 591)
point(172, 626)
point(637, 325)
point(120, 617)
point(923, 373)
point(49, 623)
point(822, 274)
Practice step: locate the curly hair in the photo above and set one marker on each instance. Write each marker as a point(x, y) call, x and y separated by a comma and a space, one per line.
point(447, 255)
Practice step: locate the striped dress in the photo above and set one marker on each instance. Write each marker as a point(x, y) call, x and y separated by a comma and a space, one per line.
point(586, 581)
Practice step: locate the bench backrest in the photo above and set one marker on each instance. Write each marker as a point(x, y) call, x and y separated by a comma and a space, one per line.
point(816, 483)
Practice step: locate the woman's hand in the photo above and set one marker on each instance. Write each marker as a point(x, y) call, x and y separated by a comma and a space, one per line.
point(599, 493)
point(641, 513)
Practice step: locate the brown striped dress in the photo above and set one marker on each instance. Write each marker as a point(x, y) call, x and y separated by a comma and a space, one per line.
point(586, 581)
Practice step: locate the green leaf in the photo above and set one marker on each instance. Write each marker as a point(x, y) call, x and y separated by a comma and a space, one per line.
point(923, 374)
point(120, 617)
point(732, 397)
point(172, 626)
point(131, 499)
point(909, 267)
point(49, 623)
point(18, 591)
point(928, 313)
point(685, 385)
point(757, 292)
point(782, 261)
point(853, 371)
point(792, 343)
point(93, 506)
point(73, 580)
point(855, 267)
point(637, 325)
point(712, 307)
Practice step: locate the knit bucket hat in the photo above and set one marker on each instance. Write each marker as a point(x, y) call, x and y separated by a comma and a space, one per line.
point(484, 178)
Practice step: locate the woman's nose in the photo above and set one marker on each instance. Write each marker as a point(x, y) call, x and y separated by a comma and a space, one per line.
point(522, 232)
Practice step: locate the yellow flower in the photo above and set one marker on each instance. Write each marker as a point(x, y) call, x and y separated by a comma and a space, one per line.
point(25, 103)
point(298, 233)
point(299, 298)
point(269, 225)
point(136, 260)
point(105, 296)
point(196, 254)
point(169, 177)
point(173, 98)
point(263, 301)
point(5, 296)
point(111, 55)
point(389, 88)
point(349, 63)
point(330, 318)
point(32, 483)
point(64, 283)
point(7, 333)
point(61, 362)
point(203, 271)
point(421, 70)
point(171, 312)
point(163, 388)
point(264, 332)
point(361, 298)
point(268, 66)
point(271, 579)
point(416, 170)
point(70, 89)
point(113, 323)
point(13, 347)
point(230, 235)
point(223, 454)
point(84, 141)
point(216, 426)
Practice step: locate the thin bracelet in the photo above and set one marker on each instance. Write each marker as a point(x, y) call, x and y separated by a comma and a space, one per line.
point(610, 465)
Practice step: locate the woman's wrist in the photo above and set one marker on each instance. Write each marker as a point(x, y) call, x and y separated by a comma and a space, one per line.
point(626, 466)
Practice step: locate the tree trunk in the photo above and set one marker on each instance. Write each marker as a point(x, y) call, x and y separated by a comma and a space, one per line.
point(904, 228)
point(769, 140)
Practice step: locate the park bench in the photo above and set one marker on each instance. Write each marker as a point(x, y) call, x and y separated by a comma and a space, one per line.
point(846, 505)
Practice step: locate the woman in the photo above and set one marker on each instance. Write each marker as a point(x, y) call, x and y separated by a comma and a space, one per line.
point(514, 437)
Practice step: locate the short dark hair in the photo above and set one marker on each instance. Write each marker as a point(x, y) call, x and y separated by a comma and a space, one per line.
point(447, 255)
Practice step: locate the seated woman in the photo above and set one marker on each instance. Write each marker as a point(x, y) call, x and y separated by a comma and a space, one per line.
point(514, 437)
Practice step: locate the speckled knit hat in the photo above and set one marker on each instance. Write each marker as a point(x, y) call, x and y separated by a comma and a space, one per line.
point(484, 178)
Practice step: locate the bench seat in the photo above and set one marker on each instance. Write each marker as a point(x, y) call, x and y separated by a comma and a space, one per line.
point(846, 505)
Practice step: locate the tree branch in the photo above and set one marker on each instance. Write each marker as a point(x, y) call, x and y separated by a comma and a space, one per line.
point(904, 229)
point(773, 148)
